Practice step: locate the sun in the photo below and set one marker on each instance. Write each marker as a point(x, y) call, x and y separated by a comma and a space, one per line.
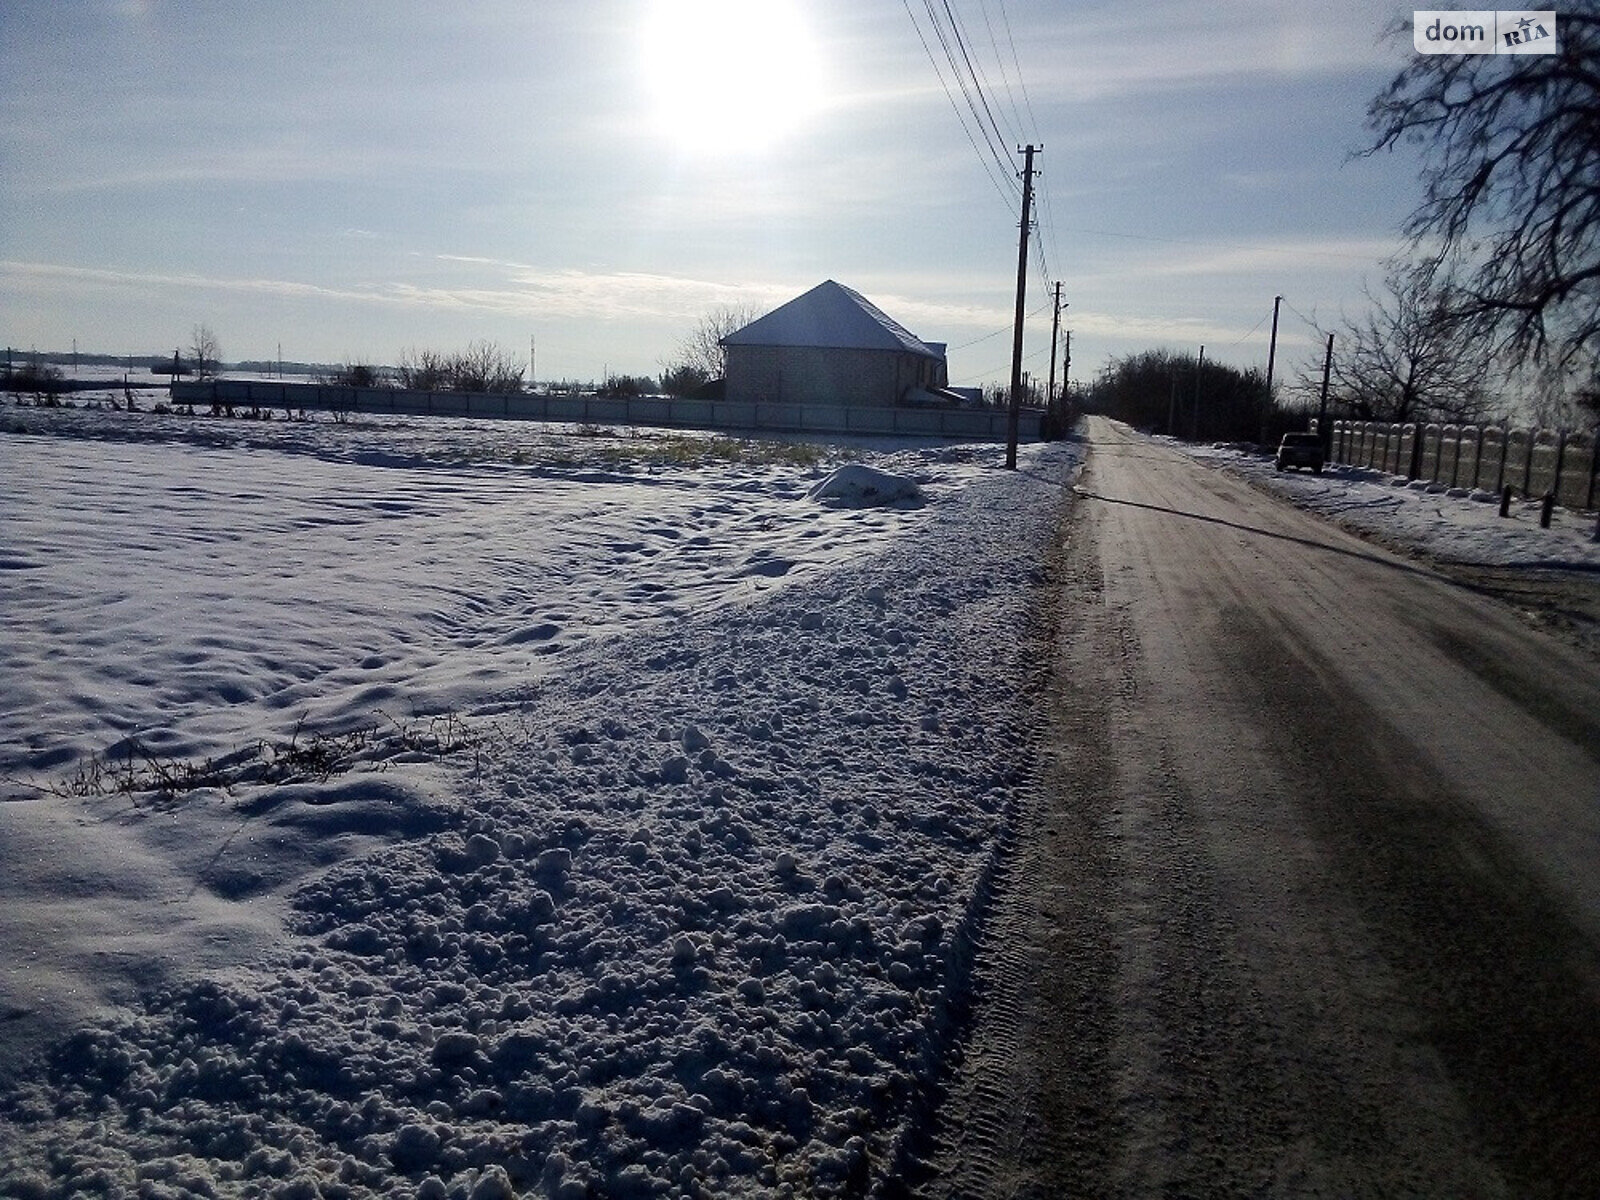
point(730, 75)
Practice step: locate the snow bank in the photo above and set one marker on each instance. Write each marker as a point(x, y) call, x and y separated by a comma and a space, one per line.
point(693, 920)
point(1462, 528)
point(859, 484)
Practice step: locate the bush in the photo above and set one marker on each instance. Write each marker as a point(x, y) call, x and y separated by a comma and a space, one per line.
point(34, 378)
point(423, 371)
point(481, 367)
point(683, 380)
point(356, 375)
point(622, 386)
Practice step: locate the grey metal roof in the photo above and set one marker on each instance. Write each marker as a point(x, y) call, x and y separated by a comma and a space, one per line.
point(833, 317)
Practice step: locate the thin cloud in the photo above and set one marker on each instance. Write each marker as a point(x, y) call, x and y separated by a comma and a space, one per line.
point(1184, 43)
point(1180, 258)
point(547, 295)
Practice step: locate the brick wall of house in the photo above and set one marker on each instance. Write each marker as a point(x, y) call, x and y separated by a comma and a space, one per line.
point(806, 375)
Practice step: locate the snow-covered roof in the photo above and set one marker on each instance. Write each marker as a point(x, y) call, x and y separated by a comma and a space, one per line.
point(833, 317)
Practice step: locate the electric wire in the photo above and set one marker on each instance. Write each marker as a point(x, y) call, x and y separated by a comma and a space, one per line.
point(1002, 329)
point(1302, 316)
point(984, 128)
point(969, 88)
point(955, 28)
point(1022, 83)
point(1000, 63)
point(999, 185)
point(1044, 226)
point(1251, 330)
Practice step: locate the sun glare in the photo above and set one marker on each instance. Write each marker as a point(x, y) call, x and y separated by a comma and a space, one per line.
point(730, 75)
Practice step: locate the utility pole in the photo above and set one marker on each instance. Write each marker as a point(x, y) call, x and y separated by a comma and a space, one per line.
point(1055, 334)
point(1272, 354)
point(1014, 415)
point(1322, 407)
point(1066, 371)
point(1201, 366)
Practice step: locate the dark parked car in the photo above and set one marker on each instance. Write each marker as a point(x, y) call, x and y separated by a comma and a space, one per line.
point(1301, 450)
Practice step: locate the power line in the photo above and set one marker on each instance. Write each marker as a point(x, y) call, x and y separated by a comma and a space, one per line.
point(968, 89)
point(955, 28)
point(984, 338)
point(1252, 329)
point(999, 372)
point(1047, 222)
point(1006, 196)
point(1302, 316)
point(994, 44)
point(1049, 243)
point(979, 114)
point(969, 73)
point(1002, 329)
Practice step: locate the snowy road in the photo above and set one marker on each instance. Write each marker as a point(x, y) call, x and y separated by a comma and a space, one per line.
point(1314, 909)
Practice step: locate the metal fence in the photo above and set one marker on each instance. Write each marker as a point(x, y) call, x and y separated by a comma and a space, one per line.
point(869, 420)
point(1560, 463)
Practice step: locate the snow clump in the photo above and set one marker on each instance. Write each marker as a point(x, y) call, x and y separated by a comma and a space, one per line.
point(858, 485)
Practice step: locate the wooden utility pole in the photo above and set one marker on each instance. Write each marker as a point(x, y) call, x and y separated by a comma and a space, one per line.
point(1272, 354)
point(1322, 406)
point(1014, 415)
point(1055, 335)
point(1066, 371)
point(1201, 366)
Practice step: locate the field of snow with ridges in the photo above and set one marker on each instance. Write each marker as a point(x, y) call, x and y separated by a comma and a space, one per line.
point(693, 915)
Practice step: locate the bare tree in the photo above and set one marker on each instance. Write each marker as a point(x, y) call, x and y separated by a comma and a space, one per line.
point(702, 350)
point(1407, 358)
point(423, 371)
point(482, 367)
point(206, 352)
point(485, 367)
point(1511, 200)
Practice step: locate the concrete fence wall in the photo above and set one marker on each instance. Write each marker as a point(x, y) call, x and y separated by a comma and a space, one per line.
point(1535, 462)
point(669, 412)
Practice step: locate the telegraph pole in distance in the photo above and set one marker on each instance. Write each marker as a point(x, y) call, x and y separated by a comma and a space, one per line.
point(1322, 405)
point(1066, 372)
point(1055, 336)
point(1014, 416)
point(1201, 366)
point(1272, 354)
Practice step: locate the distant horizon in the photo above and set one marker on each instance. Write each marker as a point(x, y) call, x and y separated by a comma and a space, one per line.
point(100, 358)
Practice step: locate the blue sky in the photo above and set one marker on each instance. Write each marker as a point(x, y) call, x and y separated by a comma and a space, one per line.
point(350, 179)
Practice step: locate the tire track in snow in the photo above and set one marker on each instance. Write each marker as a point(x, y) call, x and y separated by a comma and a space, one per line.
point(1002, 1129)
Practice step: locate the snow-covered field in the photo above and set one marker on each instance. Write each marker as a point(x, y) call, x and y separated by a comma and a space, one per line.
point(511, 811)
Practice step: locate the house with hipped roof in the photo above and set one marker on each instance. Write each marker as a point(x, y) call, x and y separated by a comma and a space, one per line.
point(833, 346)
